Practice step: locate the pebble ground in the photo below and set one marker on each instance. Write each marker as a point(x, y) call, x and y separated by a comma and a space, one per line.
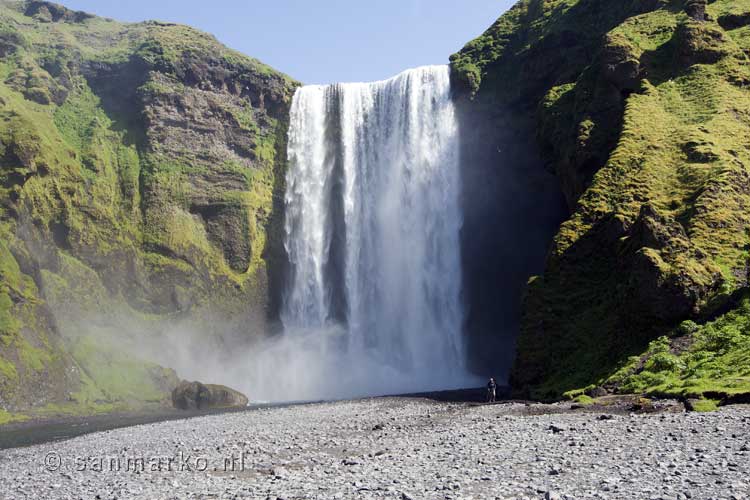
point(396, 448)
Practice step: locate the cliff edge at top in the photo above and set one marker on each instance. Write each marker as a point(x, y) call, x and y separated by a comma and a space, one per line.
point(642, 110)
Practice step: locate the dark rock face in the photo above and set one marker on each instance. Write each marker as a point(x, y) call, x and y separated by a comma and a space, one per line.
point(501, 79)
point(734, 21)
point(651, 230)
point(224, 122)
point(197, 396)
point(696, 9)
point(620, 65)
point(504, 180)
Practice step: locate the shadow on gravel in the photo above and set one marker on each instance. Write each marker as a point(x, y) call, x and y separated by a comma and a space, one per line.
point(473, 395)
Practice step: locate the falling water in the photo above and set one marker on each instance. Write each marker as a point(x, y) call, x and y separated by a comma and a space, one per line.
point(372, 234)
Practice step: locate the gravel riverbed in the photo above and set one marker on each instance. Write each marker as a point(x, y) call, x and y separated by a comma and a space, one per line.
point(397, 448)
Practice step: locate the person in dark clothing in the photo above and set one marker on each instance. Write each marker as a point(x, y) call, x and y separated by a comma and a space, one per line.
point(491, 390)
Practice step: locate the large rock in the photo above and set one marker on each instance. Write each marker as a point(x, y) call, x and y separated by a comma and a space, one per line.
point(198, 396)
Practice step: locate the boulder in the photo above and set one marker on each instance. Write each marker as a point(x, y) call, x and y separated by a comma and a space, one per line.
point(198, 396)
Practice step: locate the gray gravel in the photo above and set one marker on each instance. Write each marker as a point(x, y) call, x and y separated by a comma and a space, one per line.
point(397, 448)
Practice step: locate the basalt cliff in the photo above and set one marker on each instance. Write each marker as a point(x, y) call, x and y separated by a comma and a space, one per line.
point(641, 108)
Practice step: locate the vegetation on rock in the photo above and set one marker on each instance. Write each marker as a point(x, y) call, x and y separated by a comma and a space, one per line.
point(140, 171)
point(642, 110)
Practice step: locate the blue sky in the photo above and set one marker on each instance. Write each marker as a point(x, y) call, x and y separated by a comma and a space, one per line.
point(324, 41)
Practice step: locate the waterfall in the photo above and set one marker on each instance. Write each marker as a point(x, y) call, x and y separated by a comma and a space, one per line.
point(372, 227)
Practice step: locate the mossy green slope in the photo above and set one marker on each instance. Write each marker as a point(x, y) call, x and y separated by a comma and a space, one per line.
point(141, 170)
point(643, 110)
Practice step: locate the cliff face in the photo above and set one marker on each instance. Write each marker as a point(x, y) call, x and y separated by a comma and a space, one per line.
point(642, 110)
point(141, 180)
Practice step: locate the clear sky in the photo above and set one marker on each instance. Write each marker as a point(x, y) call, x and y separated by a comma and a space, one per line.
point(324, 41)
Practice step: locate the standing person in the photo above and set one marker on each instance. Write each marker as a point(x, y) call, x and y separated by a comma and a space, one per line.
point(491, 390)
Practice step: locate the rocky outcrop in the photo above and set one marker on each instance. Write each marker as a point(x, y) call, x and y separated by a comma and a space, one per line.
point(619, 63)
point(560, 89)
point(734, 20)
point(696, 9)
point(701, 43)
point(668, 277)
point(197, 396)
point(53, 13)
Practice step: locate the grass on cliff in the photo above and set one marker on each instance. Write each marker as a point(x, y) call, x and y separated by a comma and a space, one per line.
point(97, 176)
point(85, 168)
point(529, 49)
point(709, 361)
point(8, 418)
point(111, 375)
point(10, 282)
point(18, 301)
point(684, 147)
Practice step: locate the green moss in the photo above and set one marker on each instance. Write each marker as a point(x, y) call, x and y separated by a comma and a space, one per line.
point(75, 286)
point(705, 405)
point(579, 396)
point(266, 150)
point(8, 418)
point(79, 117)
point(639, 105)
point(245, 117)
point(32, 357)
point(9, 324)
point(169, 87)
point(648, 32)
point(8, 372)
point(468, 64)
point(584, 400)
point(716, 362)
point(167, 45)
point(112, 374)
point(160, 263)
point(75, 409)
point(11, 280)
